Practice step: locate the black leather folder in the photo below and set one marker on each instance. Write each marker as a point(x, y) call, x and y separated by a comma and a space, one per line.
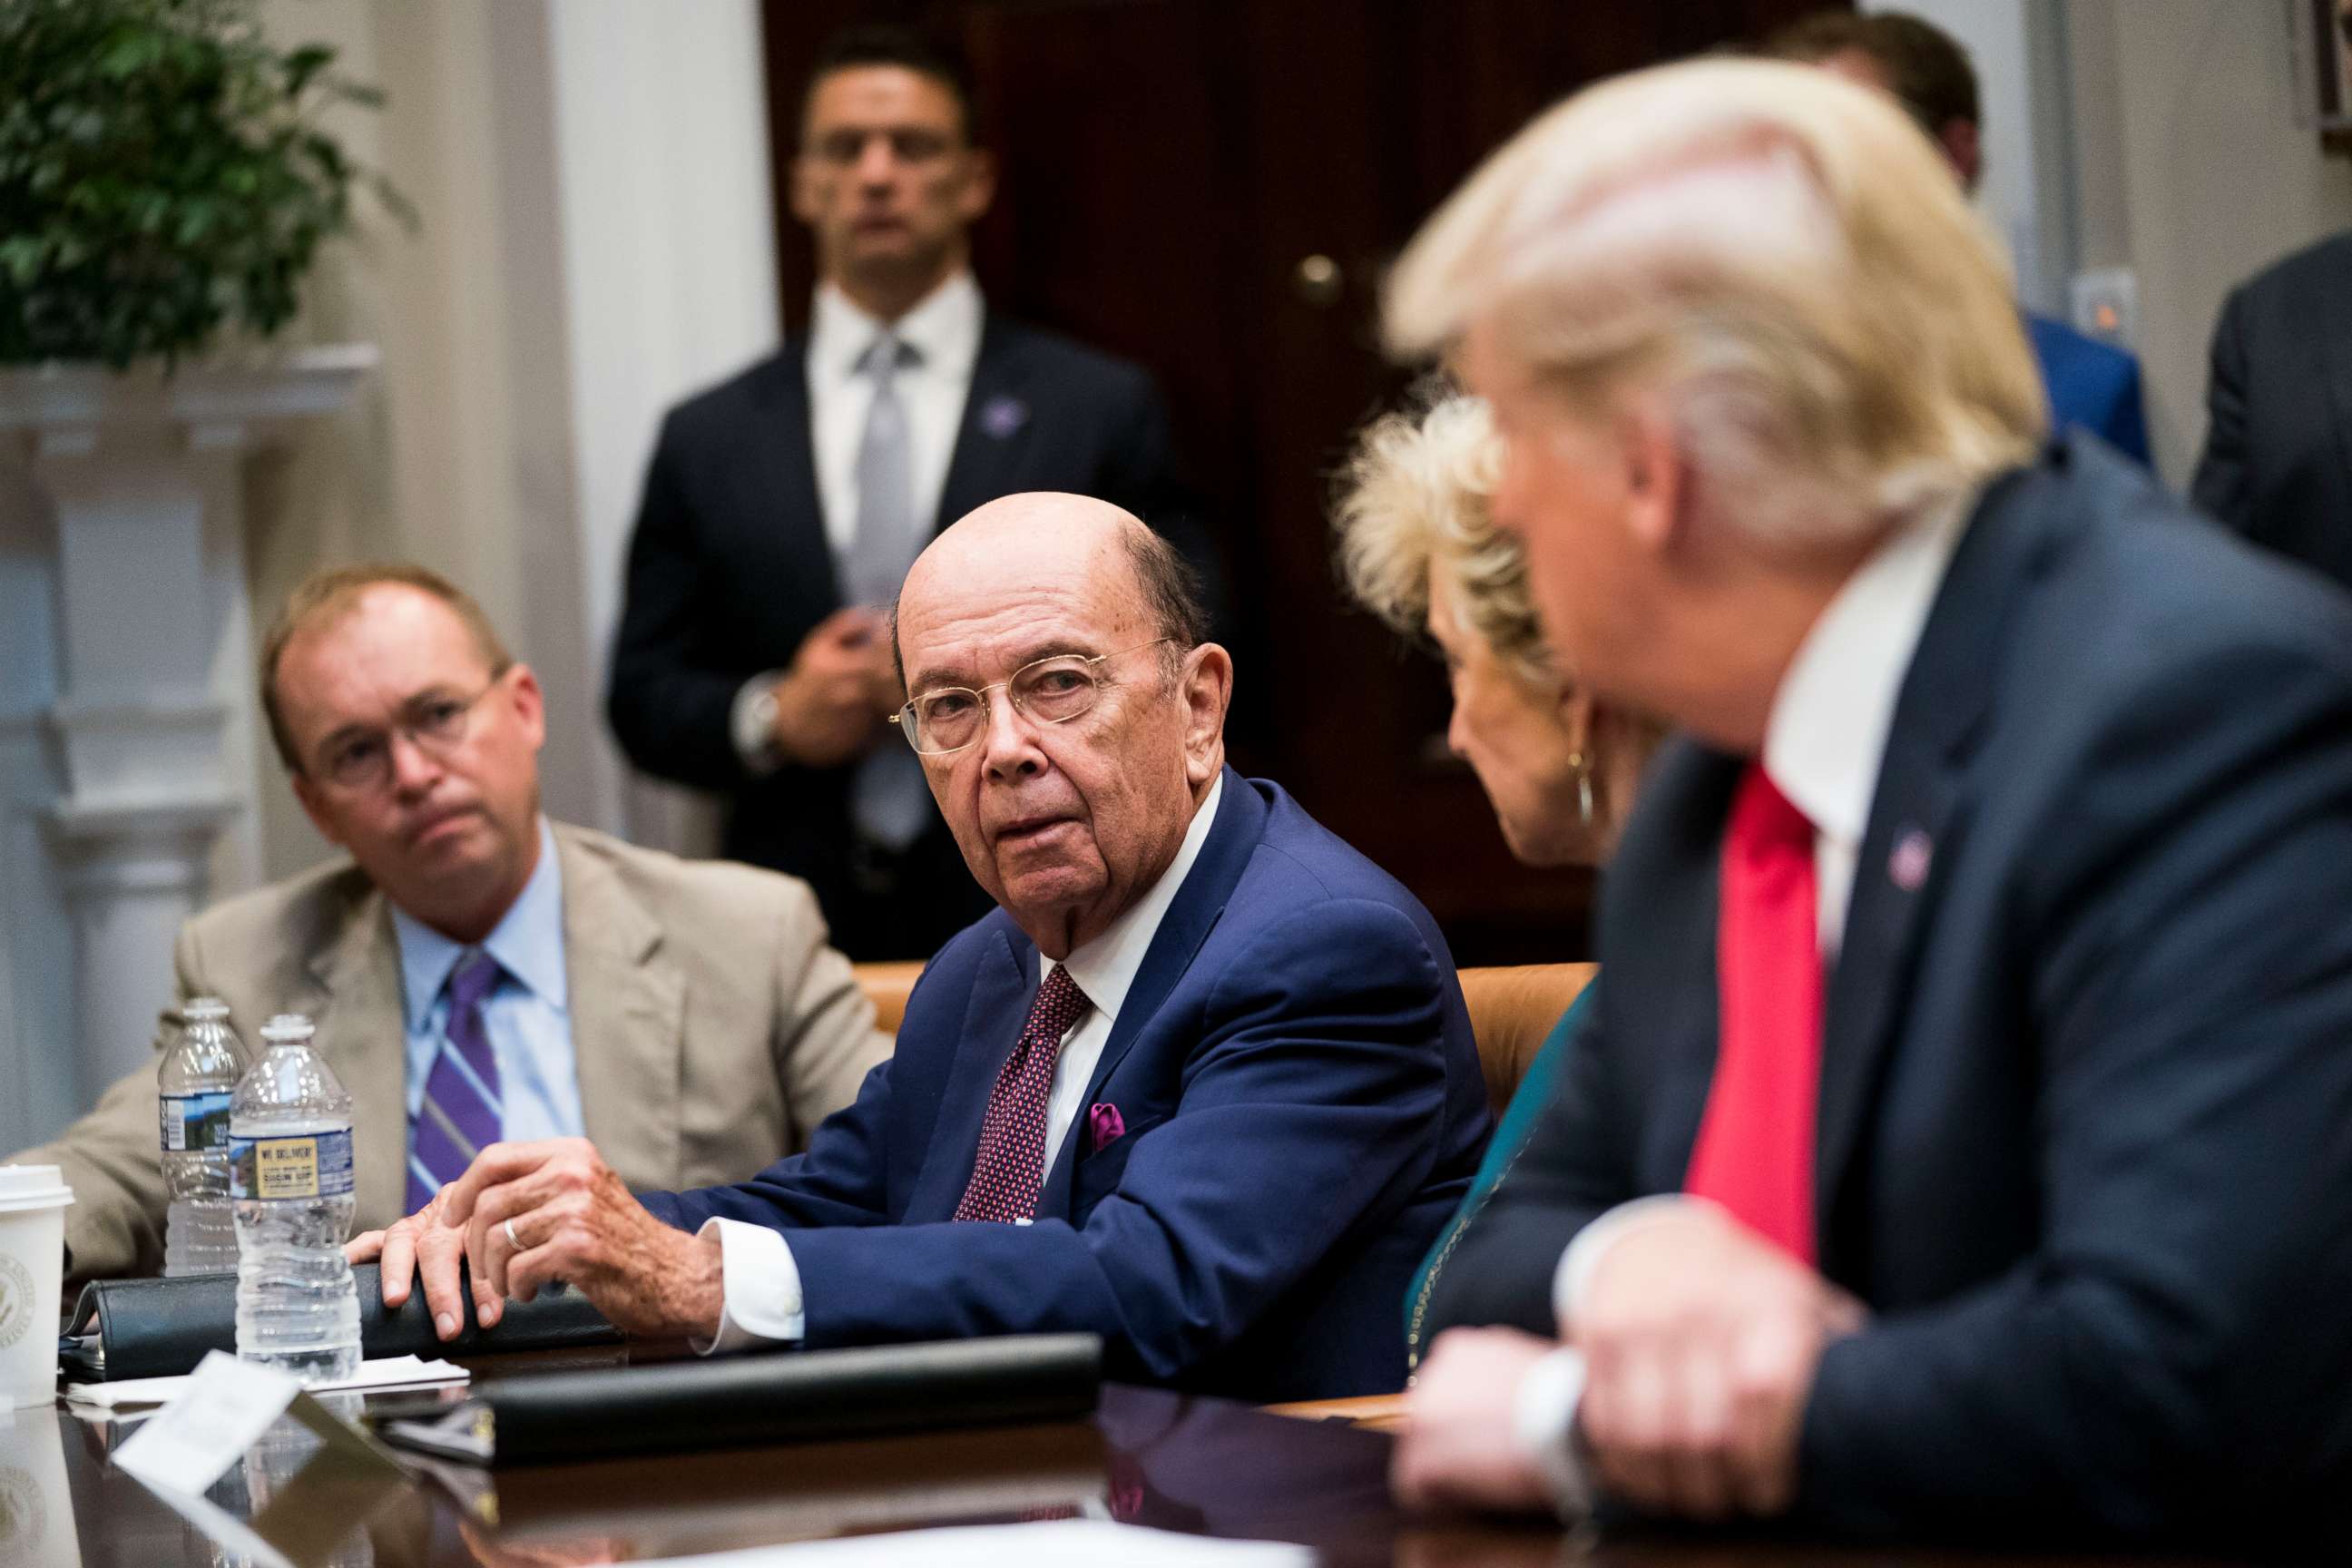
point(161, 1328)
point(779, 1397)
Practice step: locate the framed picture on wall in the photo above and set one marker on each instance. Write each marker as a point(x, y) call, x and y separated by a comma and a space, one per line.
point(2322, 31)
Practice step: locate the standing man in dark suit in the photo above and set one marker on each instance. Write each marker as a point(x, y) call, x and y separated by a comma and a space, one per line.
point(782, 507)
point(1201, 1084)
point(2277, 465)
point(1959, 1145)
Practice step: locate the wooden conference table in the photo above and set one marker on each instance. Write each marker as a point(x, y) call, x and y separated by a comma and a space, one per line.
point(1149, 1458)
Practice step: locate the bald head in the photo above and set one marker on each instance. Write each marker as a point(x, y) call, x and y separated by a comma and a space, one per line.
point(1072, 631)
point(1052, 533)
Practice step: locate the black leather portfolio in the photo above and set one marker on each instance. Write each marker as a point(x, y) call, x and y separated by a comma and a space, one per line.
point(782, 1396)
point(161, 1328)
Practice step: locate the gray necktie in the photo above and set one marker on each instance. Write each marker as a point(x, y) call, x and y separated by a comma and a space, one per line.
point(888, 799)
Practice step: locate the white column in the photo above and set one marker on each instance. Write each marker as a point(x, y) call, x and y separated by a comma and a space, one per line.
point(150, 702)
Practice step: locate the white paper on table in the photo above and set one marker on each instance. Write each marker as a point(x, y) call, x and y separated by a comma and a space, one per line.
point(1054, 1544)
point(390, 1372)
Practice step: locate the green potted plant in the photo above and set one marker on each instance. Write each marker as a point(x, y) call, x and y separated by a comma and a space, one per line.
point(163, 177)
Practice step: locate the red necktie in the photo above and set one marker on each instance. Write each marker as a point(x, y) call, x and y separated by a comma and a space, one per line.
point(1011, 1166)
point(1755, 1148)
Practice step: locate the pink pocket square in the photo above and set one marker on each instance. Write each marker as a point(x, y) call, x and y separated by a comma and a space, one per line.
point(1106, 1124)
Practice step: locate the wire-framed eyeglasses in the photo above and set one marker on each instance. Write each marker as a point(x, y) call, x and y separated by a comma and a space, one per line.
point(1050, 691)
point(435, 723)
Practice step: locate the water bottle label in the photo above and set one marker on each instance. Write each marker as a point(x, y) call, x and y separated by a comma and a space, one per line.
point(193, 1122)
point(312, 1165)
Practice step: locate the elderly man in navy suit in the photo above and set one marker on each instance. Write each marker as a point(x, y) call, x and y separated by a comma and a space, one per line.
point(1958, 1145)
point(1201, 1084)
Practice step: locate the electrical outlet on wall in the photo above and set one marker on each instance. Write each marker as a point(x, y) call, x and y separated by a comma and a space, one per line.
point(2106, 305)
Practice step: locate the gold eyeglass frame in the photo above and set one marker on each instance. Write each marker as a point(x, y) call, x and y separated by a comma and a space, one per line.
point(905, 716)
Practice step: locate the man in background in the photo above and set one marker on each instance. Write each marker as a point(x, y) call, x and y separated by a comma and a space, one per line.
point(783, 508)
point(1958, 1147)
point(2277, 465)
point(476, 972)
point(2091, 385)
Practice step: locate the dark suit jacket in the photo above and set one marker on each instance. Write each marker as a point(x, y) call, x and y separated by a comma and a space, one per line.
point(728, 570)
point(2091, 386)
point(1303, 1107)
point(2277, 465)
point(2085, 1122)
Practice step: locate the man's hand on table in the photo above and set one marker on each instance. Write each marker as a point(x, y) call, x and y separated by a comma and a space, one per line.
point(1460, 1445)
point(529, 1215)
point(1699, 1340)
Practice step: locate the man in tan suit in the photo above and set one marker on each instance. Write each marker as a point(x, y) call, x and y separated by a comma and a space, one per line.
point(689, 1017)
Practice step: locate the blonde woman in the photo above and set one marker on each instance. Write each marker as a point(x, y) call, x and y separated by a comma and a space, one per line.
point(1418, 548)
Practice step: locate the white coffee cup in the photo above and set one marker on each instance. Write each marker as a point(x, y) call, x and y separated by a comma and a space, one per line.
point(33, 1200)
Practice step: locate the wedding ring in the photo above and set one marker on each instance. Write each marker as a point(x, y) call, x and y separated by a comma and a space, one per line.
point(512, 1240)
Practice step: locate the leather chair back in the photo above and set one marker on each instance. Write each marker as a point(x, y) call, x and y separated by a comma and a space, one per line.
point(1512, 1009)
point(887, 985)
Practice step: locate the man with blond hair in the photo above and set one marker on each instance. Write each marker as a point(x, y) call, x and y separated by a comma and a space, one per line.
point(1959, 1145)
point(476, 970)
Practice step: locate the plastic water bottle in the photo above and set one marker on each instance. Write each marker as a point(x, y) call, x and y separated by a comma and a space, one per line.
point(290, 1175)
point(193, 1087)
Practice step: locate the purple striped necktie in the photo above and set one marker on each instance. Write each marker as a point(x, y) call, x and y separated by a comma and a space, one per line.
point(462, 1111)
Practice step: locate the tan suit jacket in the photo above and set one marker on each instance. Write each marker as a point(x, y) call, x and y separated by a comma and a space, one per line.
point(712, 1026)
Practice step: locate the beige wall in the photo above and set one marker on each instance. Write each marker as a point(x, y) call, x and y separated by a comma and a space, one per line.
point(2191, 169)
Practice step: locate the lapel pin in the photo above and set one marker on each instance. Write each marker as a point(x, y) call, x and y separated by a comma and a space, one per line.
point(1002, 414)
point(1907, 865)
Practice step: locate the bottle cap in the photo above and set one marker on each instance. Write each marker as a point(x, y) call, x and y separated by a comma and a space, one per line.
point(202, 1007)
point(287, 1026)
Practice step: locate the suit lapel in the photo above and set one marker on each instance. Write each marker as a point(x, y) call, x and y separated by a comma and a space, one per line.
point(1193, 913)
point(998, 414)
point(2333, 338)
point(1917, 817)
point(359, 972)
point(782, 485)
point(628, 1022)
point(1005, 984)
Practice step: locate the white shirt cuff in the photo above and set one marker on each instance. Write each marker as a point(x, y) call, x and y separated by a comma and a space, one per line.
point(1543, 1420)
point(761, 1286)
point(751, 722)
point(1574, 1276)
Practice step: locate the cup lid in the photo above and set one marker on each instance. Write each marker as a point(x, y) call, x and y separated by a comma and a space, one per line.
point(32, 1187)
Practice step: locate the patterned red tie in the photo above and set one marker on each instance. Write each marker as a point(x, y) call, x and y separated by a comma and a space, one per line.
point(1755, 1148)
point(1011, 1166)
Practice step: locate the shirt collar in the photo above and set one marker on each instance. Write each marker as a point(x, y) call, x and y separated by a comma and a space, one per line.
point(1105, 967)
point(1826, 736)
point(527, 941)
point(943, 329)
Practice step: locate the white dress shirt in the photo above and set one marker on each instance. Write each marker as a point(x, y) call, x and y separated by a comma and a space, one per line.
point(944, 331)
point(1824, 743)
point(763, 1303)
point(527, 1015)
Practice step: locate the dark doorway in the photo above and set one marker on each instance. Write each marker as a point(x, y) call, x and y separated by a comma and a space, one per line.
point(1211, 187)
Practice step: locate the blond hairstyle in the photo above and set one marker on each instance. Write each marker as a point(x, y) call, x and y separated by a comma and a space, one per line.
point(1410, 503)
point(326, 596)
point(1781, 254)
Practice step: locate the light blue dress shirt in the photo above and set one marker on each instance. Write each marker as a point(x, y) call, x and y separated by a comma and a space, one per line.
point(528, 1016)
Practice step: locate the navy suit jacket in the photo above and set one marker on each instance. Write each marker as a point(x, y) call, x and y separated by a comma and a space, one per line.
point(2091, 386)
point(2085, 1145)
point(2277, 465)
point(729, 570)
point(1303, 1105)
